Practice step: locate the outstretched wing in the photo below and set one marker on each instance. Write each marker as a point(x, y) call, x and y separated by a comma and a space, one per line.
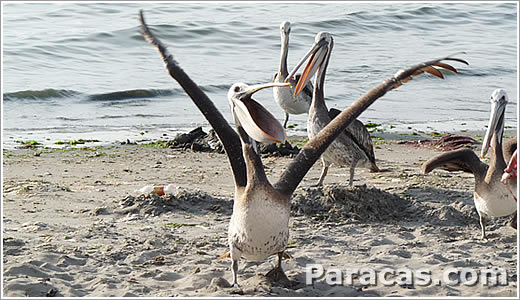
point(311, 152)
point(225, 132)
point(458, 160)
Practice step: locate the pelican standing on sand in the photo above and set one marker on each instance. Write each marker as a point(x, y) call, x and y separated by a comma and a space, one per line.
point(284, 95)
point(491, 196)
point(353, 147)
point(259, 223)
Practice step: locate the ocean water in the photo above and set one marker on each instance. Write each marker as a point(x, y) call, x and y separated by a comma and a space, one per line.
point(75, 70)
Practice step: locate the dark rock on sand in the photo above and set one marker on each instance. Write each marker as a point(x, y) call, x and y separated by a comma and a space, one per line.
point(200, 141)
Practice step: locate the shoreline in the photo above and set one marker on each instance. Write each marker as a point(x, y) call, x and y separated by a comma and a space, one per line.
point(379, 134)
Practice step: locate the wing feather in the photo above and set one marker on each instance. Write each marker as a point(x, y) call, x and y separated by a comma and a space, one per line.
point(225, 132)
point(457, 160)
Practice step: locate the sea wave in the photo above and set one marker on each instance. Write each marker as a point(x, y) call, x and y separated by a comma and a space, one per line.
point(102, 97)
point(39, 94)
point(130, 94)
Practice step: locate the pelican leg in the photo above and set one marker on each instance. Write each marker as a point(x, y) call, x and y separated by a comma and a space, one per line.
point(351, 180)
point(482, 225)
point(277, 274)
point(235, 256)
point(323, 173)
point(286, 119)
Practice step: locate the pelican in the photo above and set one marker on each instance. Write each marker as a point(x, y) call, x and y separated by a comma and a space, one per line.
point(353, 147)
point(491, 196)
point(259, 223)
point(284, 95)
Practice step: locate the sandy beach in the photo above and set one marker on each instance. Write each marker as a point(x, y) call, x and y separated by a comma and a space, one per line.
point(74, 226)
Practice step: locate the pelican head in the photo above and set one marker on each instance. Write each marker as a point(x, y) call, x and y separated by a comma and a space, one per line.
point(496, 120)
point(320, 52)
point(285, 28)
point(257, 122)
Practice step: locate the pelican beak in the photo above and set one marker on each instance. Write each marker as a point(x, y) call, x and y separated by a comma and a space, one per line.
point(317, 53)
point(256, 120)
point(257, 87)
point(495, 126)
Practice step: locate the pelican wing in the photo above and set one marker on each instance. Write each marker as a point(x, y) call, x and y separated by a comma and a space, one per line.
point(358, 133)
point(311, 152)
point(225, 132)
point(458, 160)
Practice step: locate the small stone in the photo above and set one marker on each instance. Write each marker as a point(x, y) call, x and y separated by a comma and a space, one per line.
point(99, 211)
point(196, 147)
point(219, 282)
point(51, 292)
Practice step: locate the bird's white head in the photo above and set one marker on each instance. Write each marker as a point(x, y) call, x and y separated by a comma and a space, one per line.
point(323, 35)
point(496, 120)
point(285, 27)
point(499, 95)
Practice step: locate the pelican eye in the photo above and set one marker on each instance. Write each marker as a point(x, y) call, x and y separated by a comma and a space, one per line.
point(237, 89)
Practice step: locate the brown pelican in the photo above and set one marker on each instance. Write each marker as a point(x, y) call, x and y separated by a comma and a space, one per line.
point(284, 95)
point(259, 223)
point(353, 147)
point(491, 197)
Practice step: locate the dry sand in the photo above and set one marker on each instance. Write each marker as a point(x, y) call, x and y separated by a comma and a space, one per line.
point(72, 226)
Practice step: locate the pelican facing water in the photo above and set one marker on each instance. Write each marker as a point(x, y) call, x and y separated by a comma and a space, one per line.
point(491, 197)
point(261, 210)
point(284, 95)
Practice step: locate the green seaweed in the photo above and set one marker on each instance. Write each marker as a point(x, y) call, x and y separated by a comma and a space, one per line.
point(29, 144)
point(301, 142)
point(370, 124)
point(157, 144)
point(76, 142)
